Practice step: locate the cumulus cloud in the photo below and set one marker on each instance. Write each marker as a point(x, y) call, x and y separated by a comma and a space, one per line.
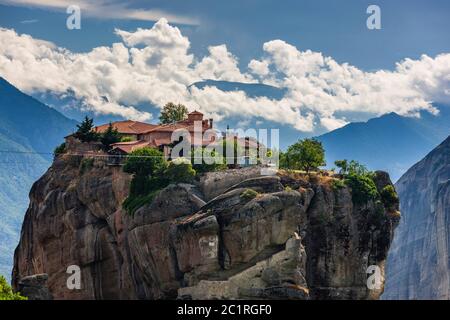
point(155, 65)
point(260, 68)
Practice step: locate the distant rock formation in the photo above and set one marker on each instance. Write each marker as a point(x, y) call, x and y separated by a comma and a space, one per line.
point(418, 263)
point(232, 234)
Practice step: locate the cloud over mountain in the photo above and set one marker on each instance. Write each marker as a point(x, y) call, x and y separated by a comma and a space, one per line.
point(155, 65)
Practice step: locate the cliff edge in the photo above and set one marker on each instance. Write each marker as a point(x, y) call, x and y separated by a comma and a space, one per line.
point(231, 234)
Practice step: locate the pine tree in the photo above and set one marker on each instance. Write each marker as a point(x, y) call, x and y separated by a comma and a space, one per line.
point(85, 131)
point(110, 136)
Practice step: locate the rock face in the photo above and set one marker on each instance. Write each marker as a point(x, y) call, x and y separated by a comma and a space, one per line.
point(232, 234)
point(418, 263)
point(35, 287)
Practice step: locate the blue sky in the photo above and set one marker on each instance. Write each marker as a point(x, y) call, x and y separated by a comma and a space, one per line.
point(335, 28)
point(130, 58)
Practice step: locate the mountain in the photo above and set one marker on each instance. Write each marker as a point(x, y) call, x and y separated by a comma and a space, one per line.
point(418, 263)
point(29, 131)
point(232, 234)
point(391, 142)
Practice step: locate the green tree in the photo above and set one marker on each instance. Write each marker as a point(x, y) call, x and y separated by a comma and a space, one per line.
point(307, 154)
point(342, 165)
point(110, 136)
point(145, 162)
point(356, 168)
point(6, 292)
point(172, 113)
point(180, 170)
point(147, 166)
point(85, 131)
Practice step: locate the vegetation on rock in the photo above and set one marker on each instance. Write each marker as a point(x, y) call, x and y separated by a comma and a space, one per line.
point(389, 198)
point(180, 170)
point(363, 188)
point(249, 194)
point(60, 149)
point(217, 162)
point(6, 292)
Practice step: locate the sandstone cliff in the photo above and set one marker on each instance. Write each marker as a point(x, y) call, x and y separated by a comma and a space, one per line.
point(418, 263)
point(296, 237)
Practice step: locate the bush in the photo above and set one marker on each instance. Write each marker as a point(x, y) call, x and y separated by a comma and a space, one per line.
point(389, 197)
point(6, 292)
point(126, 139)
point(145, 162)
point(249, 194)
point(337, 184)
point(60, 149)
point(204, 167)
point(363, 188)
point(180, 170)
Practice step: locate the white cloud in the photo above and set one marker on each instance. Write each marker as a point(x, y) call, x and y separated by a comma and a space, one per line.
point(154, 65)
point(105, 9)
point(260, 68)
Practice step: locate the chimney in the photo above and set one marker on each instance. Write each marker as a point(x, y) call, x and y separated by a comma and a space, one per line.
point(210, 123)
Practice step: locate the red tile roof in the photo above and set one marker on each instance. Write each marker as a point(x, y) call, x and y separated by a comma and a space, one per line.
point(195, 112)
point(128, 127)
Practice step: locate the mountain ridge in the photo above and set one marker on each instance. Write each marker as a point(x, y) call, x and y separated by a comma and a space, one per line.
point(29, 131)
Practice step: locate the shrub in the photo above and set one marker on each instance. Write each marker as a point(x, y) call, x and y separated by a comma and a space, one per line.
point(337, 184)
point(145, 162)
point(126, 139)
point(6, 292)
point(249, 194)
point(202, 153)
point(363, 188)
point(389, 197)
point(147, 165)
point(180, 170)
point(60, 149)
